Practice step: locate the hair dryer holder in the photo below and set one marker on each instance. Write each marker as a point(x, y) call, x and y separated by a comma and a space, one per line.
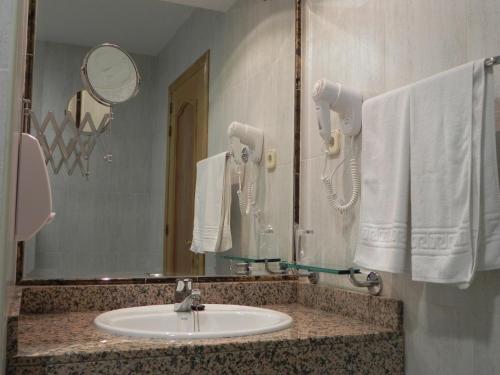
point(345, 101)
point(250, 138)
point(244, 156)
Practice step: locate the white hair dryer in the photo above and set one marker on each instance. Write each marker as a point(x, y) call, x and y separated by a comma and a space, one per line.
point(340, 99)
point(332, 96)
point(252, 140)
point(249, 136)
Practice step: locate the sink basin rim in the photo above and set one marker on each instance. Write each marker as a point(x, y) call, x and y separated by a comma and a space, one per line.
point(102, 321)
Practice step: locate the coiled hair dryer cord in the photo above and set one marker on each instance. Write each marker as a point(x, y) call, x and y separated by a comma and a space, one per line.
point(355, 179)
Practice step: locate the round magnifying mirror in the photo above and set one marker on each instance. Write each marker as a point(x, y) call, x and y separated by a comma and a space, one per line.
point(82, 103)
point(110, 74)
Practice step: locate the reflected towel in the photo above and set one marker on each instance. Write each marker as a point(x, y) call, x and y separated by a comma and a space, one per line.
point(212, 213)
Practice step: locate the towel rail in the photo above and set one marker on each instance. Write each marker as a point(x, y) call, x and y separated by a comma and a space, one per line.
point(490, 61)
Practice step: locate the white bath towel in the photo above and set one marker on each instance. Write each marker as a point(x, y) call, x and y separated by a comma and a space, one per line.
point(489, 225)
point(383, 243)
point(455, 210)
point(212, 213)
point(432, 142)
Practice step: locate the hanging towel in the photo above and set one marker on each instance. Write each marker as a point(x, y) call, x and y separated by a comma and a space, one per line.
point(212, 212)
point(432, 145)
point(455, 207)
point(383, 243)
point(489, 226)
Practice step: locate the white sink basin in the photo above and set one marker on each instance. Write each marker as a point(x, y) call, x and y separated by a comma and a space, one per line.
point(160, 321)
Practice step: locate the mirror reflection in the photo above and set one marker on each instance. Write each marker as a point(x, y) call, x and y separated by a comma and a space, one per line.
point(110, 74)
point(192, 166)
point(82, 103)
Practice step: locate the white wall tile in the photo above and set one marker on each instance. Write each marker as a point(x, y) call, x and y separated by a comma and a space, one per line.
point(7, 29)
point(278, 212)
point(437, 340)
point(379, 46)
point(487, 327)
point(437, 36)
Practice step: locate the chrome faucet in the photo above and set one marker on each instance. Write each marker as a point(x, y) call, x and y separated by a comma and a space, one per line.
point(189, 303)
point(186, 297)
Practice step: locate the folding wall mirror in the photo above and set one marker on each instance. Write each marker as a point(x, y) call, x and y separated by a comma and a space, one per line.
point(161, 98)
point(110, 77)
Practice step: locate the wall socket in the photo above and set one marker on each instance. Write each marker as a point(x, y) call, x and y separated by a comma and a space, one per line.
point(334, 150)
point(271, 160)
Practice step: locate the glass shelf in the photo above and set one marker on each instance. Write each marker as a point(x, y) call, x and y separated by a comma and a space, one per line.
point(249, 259)
point(335, 270)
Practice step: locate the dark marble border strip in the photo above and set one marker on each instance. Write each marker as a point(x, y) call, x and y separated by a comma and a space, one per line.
point(297, 114)
point(58, 299)
point(380, 311)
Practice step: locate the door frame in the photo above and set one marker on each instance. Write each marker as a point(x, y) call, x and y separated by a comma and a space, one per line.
point(202, 64)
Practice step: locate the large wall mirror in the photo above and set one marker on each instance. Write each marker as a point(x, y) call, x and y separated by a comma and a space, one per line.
point(163, 84)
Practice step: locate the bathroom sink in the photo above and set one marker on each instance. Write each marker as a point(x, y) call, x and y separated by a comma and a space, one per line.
point(160, 321)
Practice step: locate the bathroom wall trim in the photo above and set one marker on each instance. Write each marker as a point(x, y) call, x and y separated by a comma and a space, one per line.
point(143, 280)
point(297, 101)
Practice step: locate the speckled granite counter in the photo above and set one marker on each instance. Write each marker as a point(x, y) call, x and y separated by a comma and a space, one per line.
point(322, 342)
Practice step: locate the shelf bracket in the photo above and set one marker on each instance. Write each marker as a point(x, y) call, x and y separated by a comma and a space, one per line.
point(240, 268)
point(373, 282)
point(281, 271)
point(313, 277)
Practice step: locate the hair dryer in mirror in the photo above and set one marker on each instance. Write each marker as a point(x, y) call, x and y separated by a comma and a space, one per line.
point(346, 102)
point(246, 143)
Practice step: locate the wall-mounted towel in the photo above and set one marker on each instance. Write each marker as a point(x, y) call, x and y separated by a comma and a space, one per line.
point(432, 142)
point(454, 176)
point(385, 182)
point(212, 215)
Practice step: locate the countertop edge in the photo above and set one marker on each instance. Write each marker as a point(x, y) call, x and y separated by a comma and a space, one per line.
point(188, 350)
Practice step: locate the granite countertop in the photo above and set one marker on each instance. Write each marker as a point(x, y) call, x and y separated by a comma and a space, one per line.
point(72, 337)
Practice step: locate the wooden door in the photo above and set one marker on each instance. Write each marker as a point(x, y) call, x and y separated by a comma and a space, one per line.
point(188, 134)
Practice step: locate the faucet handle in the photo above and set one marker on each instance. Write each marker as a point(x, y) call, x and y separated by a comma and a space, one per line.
point(180, 286)
point(183, 288)
point(183, 285)
point(188, 285)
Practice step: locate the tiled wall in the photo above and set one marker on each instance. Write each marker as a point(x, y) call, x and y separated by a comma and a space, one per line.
point(251, 81)
point(12, 20)
point(102, 224)
point(377, 46)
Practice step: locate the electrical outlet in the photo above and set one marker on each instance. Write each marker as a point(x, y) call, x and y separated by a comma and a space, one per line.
point(271, 160)
point(334, 149)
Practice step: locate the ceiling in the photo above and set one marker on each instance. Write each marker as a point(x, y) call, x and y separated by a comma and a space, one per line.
point(139, 26)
